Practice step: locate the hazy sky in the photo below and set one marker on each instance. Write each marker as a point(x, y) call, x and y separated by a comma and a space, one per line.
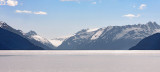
point(53, 18)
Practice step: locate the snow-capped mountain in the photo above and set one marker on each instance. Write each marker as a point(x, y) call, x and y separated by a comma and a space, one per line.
point(58, 41)
point(12, 41)
point(110, 38)
point(31, 36)
point(34, 38)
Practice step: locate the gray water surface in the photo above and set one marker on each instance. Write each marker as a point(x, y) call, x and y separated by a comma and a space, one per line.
point(80, 61)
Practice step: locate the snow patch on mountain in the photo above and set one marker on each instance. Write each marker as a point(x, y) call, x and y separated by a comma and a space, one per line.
point(97, 34)
point(58, 41)
point(33, 35)
point(39, 38)
point(91, 30)
point(126, 31)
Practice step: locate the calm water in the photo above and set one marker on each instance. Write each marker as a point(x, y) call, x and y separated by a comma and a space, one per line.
point(79, 61)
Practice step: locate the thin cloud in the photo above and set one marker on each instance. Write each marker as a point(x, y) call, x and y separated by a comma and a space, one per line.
point(142, 6)
point(40, 13)
point(30, 12)
point(9, 2)
point(23, 11)
point(12, 2)
point(131, 16)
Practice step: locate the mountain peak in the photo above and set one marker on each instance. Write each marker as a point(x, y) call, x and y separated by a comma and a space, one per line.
point(30, 33)
point(152, 23)
point(3, 24)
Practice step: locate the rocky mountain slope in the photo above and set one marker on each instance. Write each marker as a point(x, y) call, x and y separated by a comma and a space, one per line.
point(39, 40)
point(12, 41)
point(33, 37)
point(110, 38)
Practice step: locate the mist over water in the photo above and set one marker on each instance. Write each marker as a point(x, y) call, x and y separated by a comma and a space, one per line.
point(79, 61)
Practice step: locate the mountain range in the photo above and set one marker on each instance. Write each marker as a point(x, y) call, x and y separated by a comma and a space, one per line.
point(31, 36)
point(110, 38)
point(12, 41)
point(107, 38)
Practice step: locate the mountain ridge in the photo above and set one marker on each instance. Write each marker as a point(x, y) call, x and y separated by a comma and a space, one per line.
point(12, 41)
point(37, 42)
point(106, 38)
point(110, 38)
